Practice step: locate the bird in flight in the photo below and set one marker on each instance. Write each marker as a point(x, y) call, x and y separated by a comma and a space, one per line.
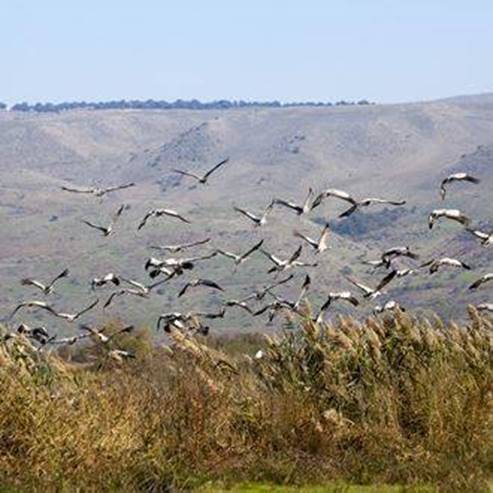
point(299, 209)
point(202, 179)
point(102, 281)
point(239, 259)
point(45, 288)
point(257, 220)
point(106, 230)
point(335, 296)
point(435, 264)
point(456, 177)
point(332, 192)
point(370, 201)
point(199, 282)
point(482, 280)
point(400, 251)
point(389, 306)
point(181, 247)
point(282, 265)
point(372, 293)
point(98, 192)
point(485, 307)
point(70, 317)
point(159, 213)
point(452, 214)
point(486, 239)
point(319, 245)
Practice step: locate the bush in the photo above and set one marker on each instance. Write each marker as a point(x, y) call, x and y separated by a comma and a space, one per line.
point(393, 400)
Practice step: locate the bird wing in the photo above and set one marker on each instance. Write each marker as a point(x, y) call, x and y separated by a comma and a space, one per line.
point(246, 213)
point(322, 241)
point(90, 307)
point(117, 214)
point(349, 211)
point(373, 200)
point(290, 205)
point(217, 166)
point(33, 282)
point(146, 217)
point(187, 173)
point(295, 255)
point(340, 195)
point(309, 240)
point(184, 290)
point(228, 254)
point(95, 226)
point(271, 257)
point(386, 280)
point(210, 284)
point(170, 213)
point(118, 187)
point(62, 274)
point(366, 289)
point(253, 249)
point(112, 296)
point(196, 243)
point(78, 190)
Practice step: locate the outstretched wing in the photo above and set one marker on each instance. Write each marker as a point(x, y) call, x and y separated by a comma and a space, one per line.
point(90, 307)
point(62, 274)
point(386, 280)
point(217, 166)
point(349, 211)
point(253, 249)
point(95, 226)
point(118, 187)
point(78, 190)
point(144, 220)
point(186, 173)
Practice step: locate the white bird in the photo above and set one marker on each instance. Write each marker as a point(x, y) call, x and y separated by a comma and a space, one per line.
point(199, 282)
point(485, 307)
point(341, 295)
point(319, 245)
point(46, 288)
point(240, 304)
point(486, 239)
point(144, 288)
point(370, 201)
point(107, 230)
point(98, 192)
point(388, 306)
point(257, 220)
point(177, 264)
point(482, 280)
point(39, 334)
point(120, 355)
point(435, 264)
point(239, 259)
point(294, 305)
point(179, 248)
point(452, 214)
point(70, 317)
point(159, 213)
point(399, 251)
point(101, 337)
point(282, 265)
point(299, 209)
point(102, 281)
point(372, 293)
point(332, 192)
point(202, 179)
point(456, 177)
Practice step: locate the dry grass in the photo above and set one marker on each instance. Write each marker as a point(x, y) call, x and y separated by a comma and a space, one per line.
point(394, 400)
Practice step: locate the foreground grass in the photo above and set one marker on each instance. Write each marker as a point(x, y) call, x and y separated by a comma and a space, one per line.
point(391, 401)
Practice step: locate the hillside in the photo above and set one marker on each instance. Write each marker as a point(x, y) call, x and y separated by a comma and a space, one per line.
point(395, 151)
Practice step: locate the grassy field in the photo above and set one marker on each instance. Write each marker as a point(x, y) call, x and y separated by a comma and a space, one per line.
point(394, 401)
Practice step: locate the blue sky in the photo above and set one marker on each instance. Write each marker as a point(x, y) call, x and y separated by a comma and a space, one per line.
point(386, 51)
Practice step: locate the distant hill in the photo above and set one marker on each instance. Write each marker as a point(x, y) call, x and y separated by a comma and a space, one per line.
point(395, 151)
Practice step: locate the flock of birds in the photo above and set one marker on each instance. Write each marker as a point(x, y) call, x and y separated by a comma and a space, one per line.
point(265, 299)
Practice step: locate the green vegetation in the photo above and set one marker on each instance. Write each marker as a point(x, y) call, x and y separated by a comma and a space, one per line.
point(395, 401)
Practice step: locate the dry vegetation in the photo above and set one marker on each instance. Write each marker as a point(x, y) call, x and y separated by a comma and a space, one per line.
point(393, 400)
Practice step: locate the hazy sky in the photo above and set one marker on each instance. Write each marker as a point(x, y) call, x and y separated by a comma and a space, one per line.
point(386, 51)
